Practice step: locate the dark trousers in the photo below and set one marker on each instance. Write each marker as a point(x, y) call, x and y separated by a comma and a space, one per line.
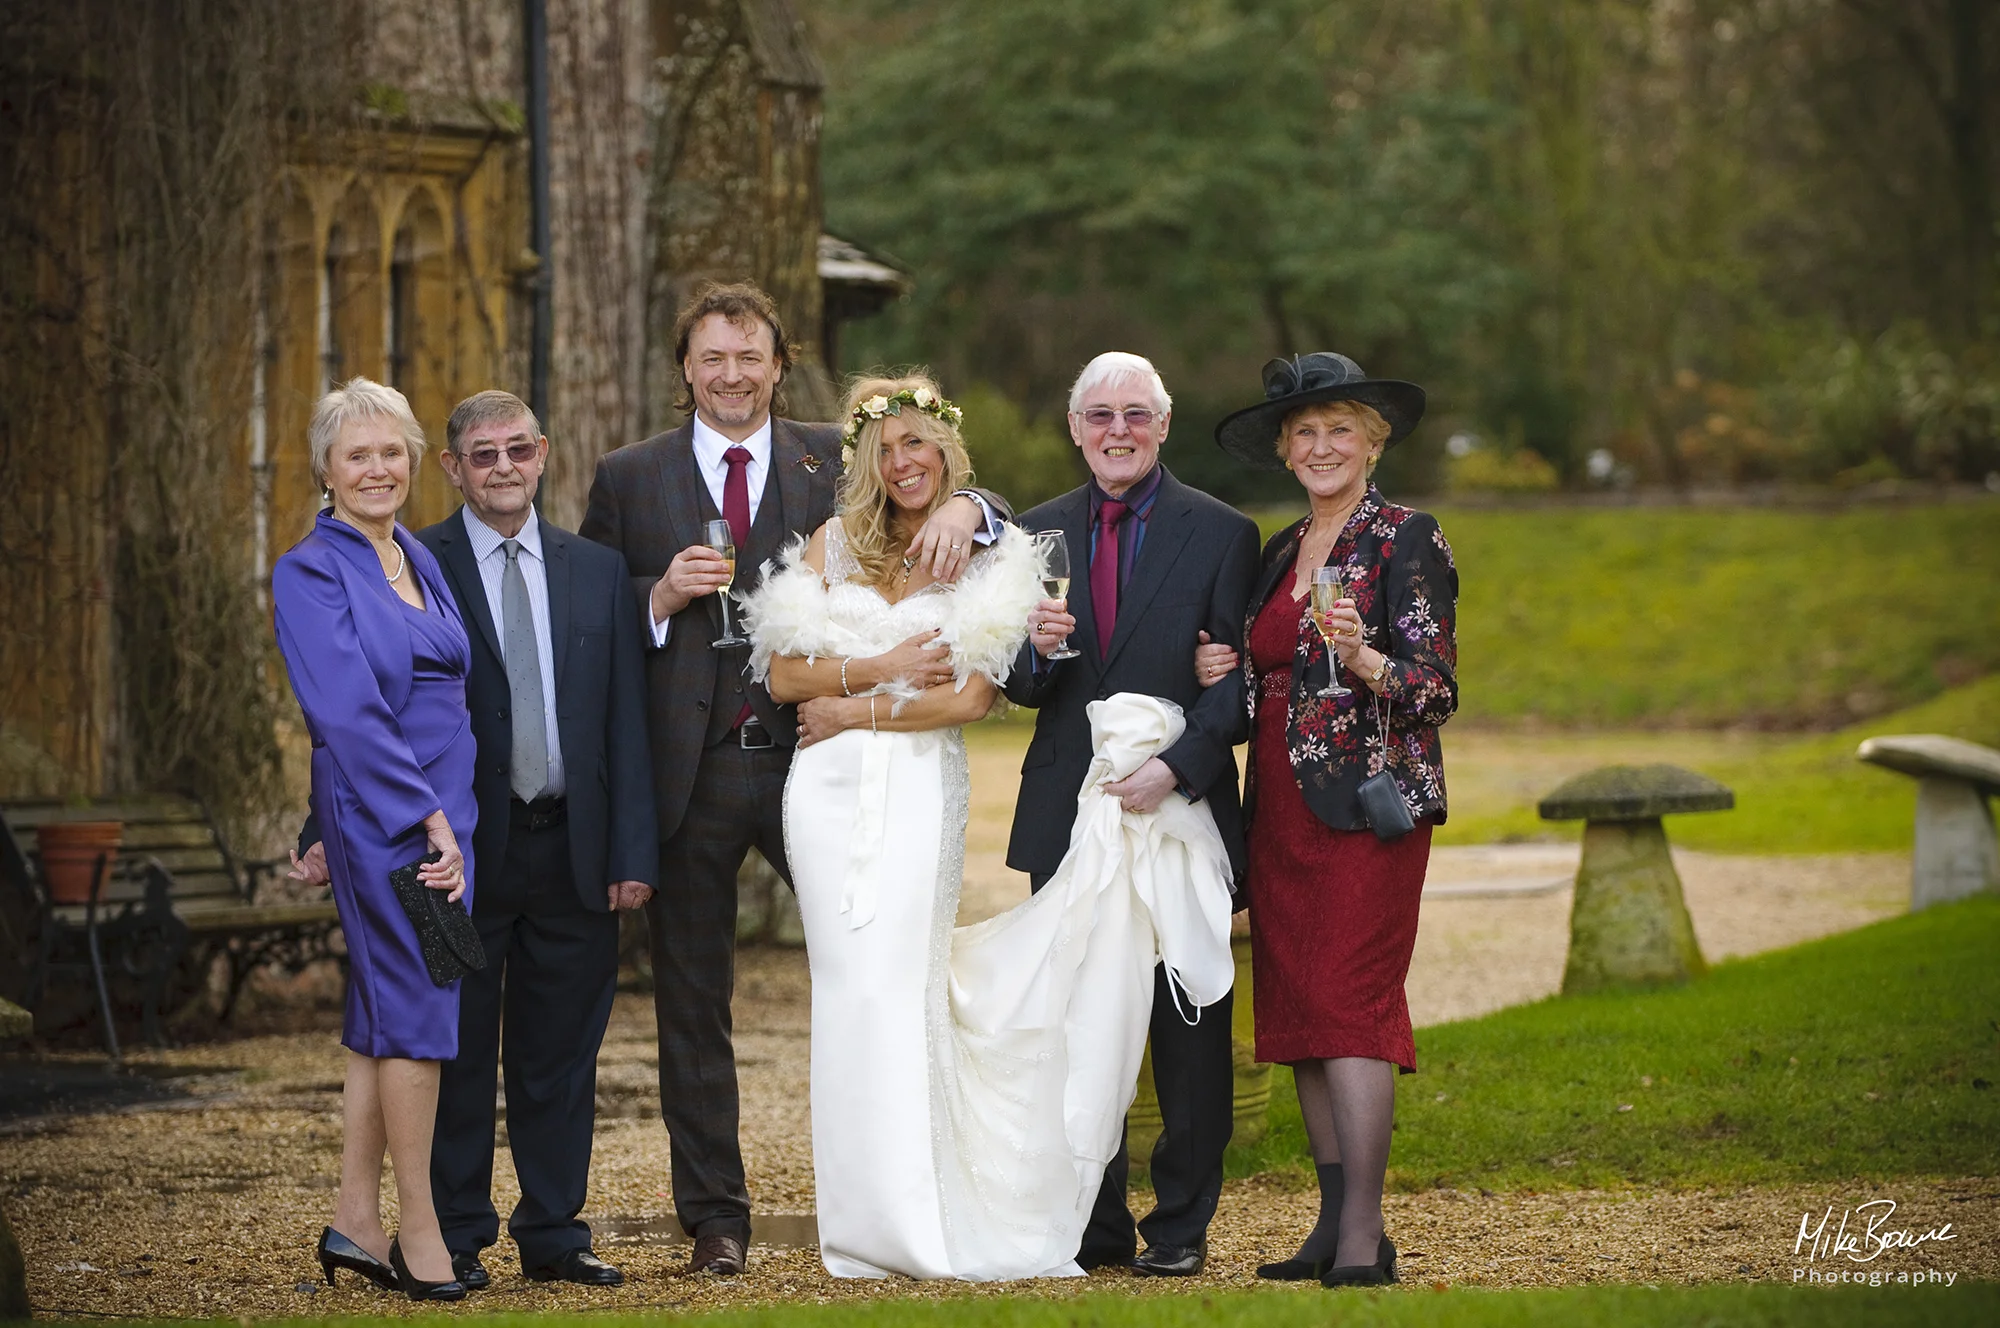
point(551, 971)
point(1195, 1076)
point(737, 803)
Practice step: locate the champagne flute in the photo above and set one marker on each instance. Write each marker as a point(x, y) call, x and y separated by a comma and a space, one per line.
point(718, 536)
point(1053, 550)
point(1327, 591)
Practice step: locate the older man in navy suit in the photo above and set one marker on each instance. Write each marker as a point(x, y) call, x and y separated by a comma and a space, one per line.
point(1158, 566)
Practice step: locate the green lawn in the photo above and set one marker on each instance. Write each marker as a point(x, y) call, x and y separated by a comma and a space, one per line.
point(1718, 616)
point(1165, 1306)
point(1869, 1054)
point(1794, 794)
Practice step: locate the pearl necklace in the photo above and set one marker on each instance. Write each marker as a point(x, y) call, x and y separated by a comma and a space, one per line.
point(402, 562)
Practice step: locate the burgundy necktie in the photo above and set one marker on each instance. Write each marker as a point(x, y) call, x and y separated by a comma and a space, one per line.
point(736, 496)
point(736, 511)
point(1104, 573)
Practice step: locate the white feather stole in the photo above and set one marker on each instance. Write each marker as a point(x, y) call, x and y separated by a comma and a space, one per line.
point(984, 619)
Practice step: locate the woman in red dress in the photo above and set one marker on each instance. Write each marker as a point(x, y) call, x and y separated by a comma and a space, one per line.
point(1334, 893)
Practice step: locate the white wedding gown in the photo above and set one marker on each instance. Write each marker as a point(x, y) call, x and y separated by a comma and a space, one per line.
point(968, 1085)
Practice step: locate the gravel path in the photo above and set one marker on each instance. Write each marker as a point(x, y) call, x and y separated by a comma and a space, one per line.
point(208, 1204)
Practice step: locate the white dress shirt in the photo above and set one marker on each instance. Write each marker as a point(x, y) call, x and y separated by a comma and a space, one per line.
point(709, 447)
point(492, 560)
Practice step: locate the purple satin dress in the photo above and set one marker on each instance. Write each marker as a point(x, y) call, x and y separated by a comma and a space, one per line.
point(382, 685)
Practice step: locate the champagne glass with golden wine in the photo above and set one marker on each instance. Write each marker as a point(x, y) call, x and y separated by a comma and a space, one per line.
point(717, 535)
point(1328, 591)
point(1052, 547)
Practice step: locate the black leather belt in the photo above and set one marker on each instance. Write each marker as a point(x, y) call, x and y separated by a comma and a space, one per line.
point(539, 814)
point(752, 736)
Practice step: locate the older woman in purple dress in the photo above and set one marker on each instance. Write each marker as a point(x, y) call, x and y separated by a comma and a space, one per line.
point(378, 659)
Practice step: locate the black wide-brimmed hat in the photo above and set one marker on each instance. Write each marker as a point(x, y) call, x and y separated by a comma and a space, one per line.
point(1251, 434)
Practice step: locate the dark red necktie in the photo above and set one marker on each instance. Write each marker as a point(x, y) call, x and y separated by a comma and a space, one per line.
point(736, 511)
point(736, 496)
point(1104, 572)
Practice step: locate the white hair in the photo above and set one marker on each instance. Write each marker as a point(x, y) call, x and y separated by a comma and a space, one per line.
point(355, 400)
point(1116, 366)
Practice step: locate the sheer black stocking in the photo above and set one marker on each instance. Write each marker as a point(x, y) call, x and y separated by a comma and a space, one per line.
point(1349, 1105)
point(1316, 1105)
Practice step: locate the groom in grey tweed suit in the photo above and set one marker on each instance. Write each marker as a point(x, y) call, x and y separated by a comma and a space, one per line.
point(721, 746)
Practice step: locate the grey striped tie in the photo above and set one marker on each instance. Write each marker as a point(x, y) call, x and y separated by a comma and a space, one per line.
point(530, 765)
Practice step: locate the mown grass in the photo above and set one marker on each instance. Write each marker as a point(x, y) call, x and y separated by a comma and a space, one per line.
point(1156, 1304)
point(1712, 617)
point(1794, 794)
point(1869, 1054)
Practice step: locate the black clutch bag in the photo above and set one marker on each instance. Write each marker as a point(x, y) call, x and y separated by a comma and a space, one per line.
point(445, 934)
point(1382, 806)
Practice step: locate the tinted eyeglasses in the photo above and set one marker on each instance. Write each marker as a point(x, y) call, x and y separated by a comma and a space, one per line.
point(1136, 417)
point(485, 458)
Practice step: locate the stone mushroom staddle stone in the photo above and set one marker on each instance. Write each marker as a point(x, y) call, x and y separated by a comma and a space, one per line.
point(1628, 923)
point(1957, 853)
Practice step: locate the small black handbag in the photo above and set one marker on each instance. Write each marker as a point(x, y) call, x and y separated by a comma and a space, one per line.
point(1382, 804)
point(450, 943)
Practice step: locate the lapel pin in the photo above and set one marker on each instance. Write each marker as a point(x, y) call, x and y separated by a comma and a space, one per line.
point(811, 463)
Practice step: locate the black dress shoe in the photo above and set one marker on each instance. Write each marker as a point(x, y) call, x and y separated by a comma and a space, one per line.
point(337, 1251)
point(470, 1272)
point(418, 1290)
point(1171, 1260)
point(1090, 1259)
point(578, 1266)
point(1293, 1270)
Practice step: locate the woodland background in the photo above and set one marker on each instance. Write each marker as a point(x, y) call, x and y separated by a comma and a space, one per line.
point(1682, 243)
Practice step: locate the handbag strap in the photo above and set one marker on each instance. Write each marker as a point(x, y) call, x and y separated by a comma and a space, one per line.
point(1383, 711)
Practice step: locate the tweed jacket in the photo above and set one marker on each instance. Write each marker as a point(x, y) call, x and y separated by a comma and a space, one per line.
point(647, 501)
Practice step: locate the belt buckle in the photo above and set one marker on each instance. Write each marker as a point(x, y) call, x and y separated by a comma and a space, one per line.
point(750, 732)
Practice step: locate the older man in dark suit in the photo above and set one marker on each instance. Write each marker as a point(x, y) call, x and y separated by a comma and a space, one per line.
point(721, 747)
point(565, 839)
point(1158, 564)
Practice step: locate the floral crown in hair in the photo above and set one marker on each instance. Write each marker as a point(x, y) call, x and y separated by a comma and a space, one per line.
point(880, 407)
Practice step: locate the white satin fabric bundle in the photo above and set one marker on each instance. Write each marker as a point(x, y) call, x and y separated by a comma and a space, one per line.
point(1050, 1002)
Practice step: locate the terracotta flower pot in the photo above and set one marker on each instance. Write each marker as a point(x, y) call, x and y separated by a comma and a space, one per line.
point(70, 854)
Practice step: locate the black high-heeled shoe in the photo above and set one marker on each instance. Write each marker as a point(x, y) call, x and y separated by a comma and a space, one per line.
point(1294, 1270)
point(337, 1251)
point(1380, 1273)
point(415, 1290)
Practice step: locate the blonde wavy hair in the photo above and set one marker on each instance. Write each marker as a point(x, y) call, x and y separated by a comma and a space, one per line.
point(864, 503)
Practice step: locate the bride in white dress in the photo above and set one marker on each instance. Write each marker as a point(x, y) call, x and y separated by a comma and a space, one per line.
point(967, 1086)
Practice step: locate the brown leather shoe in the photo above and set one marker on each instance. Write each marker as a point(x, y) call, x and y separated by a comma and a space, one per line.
point(721, 1255)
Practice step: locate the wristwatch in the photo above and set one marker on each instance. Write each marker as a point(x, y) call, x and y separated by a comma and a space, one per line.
point(1381, 670)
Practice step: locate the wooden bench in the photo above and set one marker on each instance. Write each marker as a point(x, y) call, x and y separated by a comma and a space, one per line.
point(1957, 853)
point(177, 899)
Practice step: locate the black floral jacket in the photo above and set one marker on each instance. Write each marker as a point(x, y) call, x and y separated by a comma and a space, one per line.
point(1400, 574)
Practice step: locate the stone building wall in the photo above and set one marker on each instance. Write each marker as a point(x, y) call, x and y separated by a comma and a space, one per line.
point(396, 243)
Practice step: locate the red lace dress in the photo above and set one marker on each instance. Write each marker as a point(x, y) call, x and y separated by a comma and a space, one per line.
point(1333, 913)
